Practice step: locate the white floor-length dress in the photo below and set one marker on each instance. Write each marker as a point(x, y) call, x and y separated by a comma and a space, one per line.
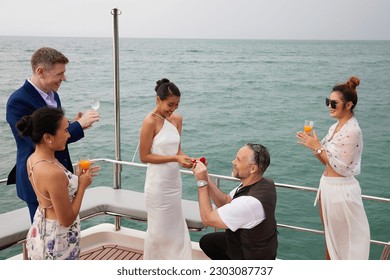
point(167, 236)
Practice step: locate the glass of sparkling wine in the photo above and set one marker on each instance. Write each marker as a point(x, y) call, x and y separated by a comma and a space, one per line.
point(95, 103)
point(308, 126)
point(84, 161)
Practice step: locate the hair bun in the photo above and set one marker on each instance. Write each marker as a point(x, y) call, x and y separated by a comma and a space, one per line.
point(353, 82)
point(25, 126)
point(160, 82)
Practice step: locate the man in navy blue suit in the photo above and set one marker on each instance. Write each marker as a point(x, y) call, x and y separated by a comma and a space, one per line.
point(48, 67)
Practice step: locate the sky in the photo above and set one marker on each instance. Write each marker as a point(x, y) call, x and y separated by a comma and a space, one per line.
point(209, 19)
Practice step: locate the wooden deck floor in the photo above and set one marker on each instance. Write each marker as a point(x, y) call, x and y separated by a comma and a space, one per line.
point(112, 252)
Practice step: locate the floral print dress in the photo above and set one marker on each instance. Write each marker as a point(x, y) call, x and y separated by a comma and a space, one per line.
point(48, 239)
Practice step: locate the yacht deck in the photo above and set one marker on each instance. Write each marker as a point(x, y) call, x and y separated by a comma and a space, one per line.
point(112, 252)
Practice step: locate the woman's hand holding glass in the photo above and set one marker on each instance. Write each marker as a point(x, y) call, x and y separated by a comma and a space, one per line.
point(86, 177)
point(308, 140)
point(86, 171)
point(86, 164)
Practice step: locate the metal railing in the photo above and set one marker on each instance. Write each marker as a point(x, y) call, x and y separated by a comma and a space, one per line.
point(217, 178)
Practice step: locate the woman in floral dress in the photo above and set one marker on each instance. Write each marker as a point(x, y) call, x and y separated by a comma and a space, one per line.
point(55, 231)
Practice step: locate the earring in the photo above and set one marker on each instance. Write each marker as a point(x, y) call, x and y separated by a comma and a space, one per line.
point(50, 142)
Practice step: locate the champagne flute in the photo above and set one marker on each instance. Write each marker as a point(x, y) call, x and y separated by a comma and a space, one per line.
point(84, 161)
point(308, 126)
point(95, 103)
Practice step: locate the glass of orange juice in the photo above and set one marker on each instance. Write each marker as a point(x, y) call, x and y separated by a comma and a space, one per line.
point(308, 126)
point(84, 161)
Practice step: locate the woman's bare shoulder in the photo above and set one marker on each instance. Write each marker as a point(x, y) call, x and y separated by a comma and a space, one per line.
point(47, 169)
point(149, 120)
point(49, 175)
point(177, 118)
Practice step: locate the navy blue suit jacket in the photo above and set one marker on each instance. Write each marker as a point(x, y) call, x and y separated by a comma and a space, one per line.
point(25, 101)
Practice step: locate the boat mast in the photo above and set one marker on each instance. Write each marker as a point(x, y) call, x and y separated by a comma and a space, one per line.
point(117, 167)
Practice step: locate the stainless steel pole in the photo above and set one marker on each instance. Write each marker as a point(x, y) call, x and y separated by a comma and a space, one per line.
point(117, 167)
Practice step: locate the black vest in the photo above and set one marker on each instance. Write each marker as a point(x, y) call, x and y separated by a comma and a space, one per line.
point(260, 242)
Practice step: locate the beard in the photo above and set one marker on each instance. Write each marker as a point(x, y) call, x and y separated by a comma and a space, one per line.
point(239, 175)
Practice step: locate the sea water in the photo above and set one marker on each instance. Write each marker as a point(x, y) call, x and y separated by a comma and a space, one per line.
point(233, 92)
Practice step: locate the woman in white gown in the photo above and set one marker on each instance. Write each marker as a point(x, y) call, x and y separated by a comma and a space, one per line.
point(167, 236)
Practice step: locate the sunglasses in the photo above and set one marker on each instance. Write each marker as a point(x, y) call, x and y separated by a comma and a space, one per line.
point(333, 103)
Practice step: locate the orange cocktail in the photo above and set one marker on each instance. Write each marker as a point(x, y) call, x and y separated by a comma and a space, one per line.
point(85, 163)
point(307, 128)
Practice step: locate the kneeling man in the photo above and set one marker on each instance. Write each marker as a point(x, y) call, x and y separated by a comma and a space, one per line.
point(247, 212)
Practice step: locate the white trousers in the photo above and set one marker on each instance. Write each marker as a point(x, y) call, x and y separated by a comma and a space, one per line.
point(347, 232)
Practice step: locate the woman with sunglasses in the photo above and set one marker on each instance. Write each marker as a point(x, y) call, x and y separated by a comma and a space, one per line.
point(347, 232)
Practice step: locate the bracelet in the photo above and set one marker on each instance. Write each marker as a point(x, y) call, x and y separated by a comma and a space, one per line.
point(202, 183)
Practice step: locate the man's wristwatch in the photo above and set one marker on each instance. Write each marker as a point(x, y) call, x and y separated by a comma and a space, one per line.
point(201, 183)
point(318, 151)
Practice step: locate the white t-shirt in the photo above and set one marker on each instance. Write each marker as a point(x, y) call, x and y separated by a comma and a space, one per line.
point(243, 212)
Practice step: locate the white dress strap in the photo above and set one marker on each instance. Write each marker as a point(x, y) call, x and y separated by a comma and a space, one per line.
point(153, 113)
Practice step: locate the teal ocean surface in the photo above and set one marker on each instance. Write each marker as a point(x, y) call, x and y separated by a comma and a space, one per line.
point(233, 92)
